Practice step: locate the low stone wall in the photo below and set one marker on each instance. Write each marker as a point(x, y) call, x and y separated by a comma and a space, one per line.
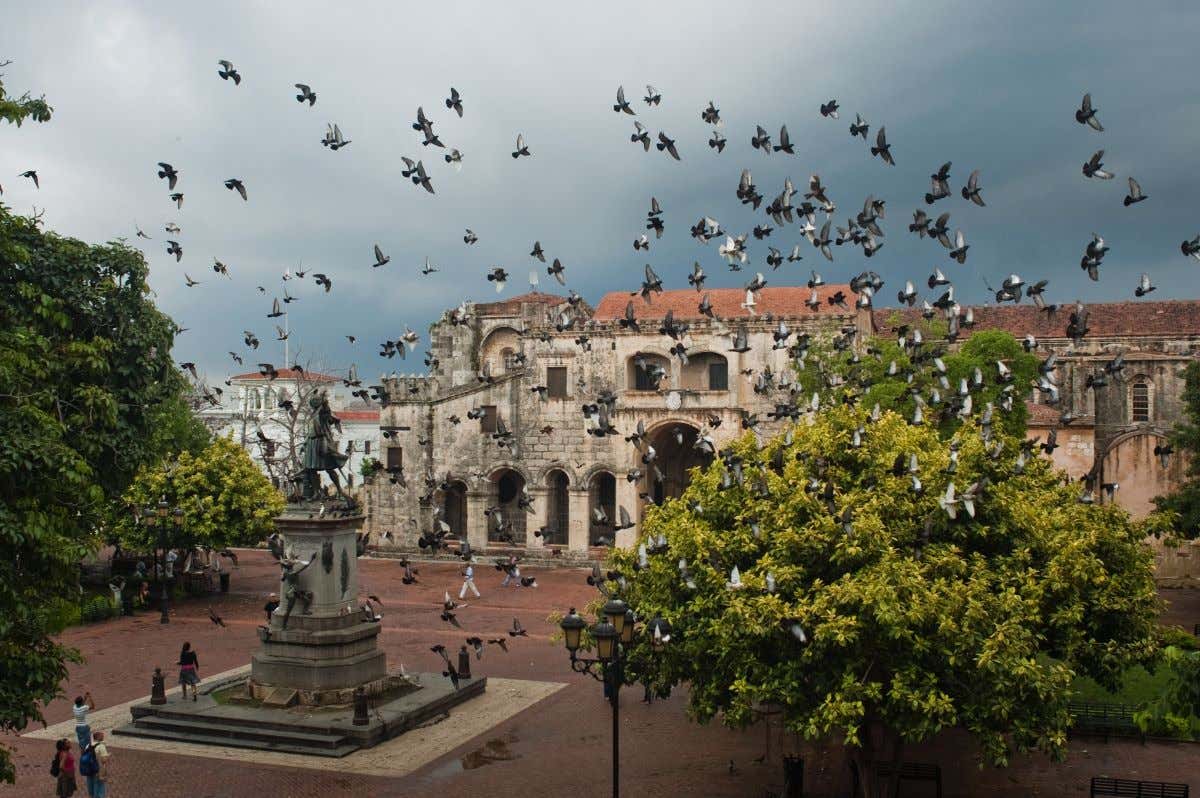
point(1176, 566)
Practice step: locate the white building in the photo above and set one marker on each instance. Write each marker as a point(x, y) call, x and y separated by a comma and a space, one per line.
point(270, 419)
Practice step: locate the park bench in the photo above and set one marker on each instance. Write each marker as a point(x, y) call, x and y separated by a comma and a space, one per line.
point(1129, 788)
point(1104, 718)
point(909, 771)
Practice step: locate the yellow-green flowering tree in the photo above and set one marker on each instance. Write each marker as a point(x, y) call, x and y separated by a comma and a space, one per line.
point(226, 499)
point(867, 613)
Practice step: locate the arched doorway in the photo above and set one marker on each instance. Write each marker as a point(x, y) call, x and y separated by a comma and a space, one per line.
point(454, 508)
point(558, 508)
point(674, 444)
point(602, 494)
point(506, 489)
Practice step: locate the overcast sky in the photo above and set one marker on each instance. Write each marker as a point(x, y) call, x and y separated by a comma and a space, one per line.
point(989, 86)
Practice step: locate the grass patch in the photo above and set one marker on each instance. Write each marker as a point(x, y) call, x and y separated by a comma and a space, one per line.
point(1138, 686)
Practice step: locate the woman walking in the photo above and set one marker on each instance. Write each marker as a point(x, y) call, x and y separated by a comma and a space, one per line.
point(65, 760)
point(189, 671)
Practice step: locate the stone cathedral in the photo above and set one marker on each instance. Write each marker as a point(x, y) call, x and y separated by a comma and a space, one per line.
point(505, 368)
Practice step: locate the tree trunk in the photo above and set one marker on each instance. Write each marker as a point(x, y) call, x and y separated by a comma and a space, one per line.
point(868, 756)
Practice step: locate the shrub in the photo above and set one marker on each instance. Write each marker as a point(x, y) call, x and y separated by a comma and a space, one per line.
point(1178, 636)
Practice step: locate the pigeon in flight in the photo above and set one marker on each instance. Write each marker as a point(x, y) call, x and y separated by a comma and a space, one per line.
point(32, 175)
point(1092, 168)
point(882, 148)
point(173, 248)
point(380, 258)
point(469, 237)
point(227, 72)
point(235, 184)
point(859, 127)
point(640, 136)
point(668, 145)
point(454, 158)
point(454, 102)
point(1086, 114)
point(1135, 193)
point(652, 97)
point(971, 190)
point(830, 109)
point(167, 171)
point(785, 143)
point(521, 148)
point(306, 95)
point(1144, 286)
point(622, 104)
point(711, 115)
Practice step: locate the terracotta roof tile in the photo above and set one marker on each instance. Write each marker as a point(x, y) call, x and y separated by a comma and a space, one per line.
point(357, 415)
point(1168, 317)
point(512, 305)
point(726, 302)
point(1041, 415)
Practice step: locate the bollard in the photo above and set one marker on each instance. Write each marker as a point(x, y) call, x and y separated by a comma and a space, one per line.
point(361, 718)
point(158, 687)
point(464, 664)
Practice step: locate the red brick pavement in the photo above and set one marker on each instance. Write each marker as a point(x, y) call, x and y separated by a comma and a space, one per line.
point(560, 746)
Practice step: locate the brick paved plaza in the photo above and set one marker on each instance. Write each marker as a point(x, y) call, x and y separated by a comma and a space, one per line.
point(558, 745)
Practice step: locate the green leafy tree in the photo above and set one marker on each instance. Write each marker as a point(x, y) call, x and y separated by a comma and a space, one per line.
point(1184, 501)
point(889, 620)
point(891, 378)
point(176, 427)
point(16, 110)
point(226, 499)
point(84, 366)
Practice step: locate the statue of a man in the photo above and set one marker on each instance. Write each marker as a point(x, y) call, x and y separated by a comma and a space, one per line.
point(320, 449)
point(290, 568)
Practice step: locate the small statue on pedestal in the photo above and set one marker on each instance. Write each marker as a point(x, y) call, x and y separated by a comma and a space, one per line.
point(290, 568)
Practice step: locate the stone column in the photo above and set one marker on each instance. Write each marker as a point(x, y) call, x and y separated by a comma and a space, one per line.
point(540, 518)
point(577, 534)
point(627, 497)
point(476, 520)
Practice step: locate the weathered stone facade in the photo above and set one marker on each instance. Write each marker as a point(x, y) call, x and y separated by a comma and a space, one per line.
point(570, 473)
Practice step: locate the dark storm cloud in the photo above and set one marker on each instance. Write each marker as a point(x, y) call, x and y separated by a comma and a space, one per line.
point(987, 86)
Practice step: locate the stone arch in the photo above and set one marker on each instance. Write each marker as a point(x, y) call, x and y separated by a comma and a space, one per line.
point(675, 460)
point(635, 375)
point(505, 485)
point(1129, 461)
point(495, 344)
point(558, 507)
point(454, 507)
point(602, 495)
point(544, 473)
point(585, 478)
point(705, 371)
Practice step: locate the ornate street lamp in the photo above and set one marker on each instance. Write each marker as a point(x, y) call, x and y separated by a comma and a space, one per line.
point(614, 637)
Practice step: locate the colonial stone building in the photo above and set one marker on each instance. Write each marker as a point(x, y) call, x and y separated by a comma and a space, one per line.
point(508, 369)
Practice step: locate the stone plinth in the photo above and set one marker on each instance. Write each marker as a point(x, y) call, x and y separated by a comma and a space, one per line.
point(329, 649)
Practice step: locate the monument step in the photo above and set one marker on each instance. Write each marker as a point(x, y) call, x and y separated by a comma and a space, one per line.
point(201, 736)
point(211, 727)
point(234, 716)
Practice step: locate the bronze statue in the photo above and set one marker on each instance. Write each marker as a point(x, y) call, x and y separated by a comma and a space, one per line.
point(320, 450)
point(290, 568)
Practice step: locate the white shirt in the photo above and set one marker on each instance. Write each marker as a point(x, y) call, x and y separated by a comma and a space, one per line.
point(80, 713)
point(470, 574)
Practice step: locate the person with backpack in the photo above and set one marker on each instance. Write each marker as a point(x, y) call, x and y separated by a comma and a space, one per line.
point(63, 769)
point(93, 766)
point(189, 671)
point(83, 732)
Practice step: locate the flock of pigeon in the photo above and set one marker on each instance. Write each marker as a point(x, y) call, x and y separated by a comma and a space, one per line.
point(863, 229)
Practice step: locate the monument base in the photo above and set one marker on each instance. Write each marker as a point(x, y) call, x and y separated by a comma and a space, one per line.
point(218, 717)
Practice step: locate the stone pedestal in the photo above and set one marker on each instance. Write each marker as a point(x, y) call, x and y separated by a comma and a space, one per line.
point(328, 651)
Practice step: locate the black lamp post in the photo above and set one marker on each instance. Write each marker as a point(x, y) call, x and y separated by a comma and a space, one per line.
point(614, 636)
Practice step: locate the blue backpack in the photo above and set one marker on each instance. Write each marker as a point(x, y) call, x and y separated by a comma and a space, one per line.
point(89, 765)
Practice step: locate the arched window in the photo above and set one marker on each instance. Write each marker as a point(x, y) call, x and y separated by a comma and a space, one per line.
point(706, 371)
point(642, 370)
point(1139, 403)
